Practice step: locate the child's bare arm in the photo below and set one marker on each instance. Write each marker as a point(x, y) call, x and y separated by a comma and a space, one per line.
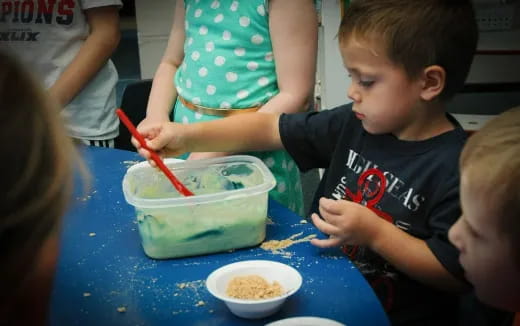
point(351, 223)
point(98, 47)
point(413, 257)
point(163, 93)
point(239, 133)
point(293, 29)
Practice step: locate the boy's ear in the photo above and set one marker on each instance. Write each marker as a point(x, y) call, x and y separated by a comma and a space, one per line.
point(434, 80)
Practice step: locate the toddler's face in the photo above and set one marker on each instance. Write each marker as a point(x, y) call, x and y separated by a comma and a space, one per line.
point(486, 254)
point(383, 95)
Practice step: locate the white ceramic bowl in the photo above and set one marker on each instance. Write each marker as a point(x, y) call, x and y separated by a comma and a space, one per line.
point(305, 321)
point(288, 277)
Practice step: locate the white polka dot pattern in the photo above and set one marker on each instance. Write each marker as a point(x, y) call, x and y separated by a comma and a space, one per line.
point(281, 187)
point(240, 52)
point(220, 60)
point(228, 60)
point(203, 72)
point(195, 56)
point(242, 94)
point(252, 65)
point(215, 4)
point(225, 105)
point(244, 21)
point(218, 18)
point(263, 81)
point(231, 77)
point(211, 89)
point(257, 39)
point(260, 10)
point(226, 35)
point(269, 162)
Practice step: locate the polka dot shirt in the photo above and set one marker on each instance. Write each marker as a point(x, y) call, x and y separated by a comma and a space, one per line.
point(228, 60)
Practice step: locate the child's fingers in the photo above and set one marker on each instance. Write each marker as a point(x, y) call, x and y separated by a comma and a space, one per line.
point(135, 143)
point(326, 243)
point(331, 206)
point(144, 153)
point(330, 216)
point(158, 143)
point(323, 226)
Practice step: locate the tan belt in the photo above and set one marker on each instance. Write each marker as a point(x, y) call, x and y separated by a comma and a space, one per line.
point(215, 111)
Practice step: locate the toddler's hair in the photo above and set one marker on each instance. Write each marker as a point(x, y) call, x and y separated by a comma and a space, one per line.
point(417, 34)
point(491, 163)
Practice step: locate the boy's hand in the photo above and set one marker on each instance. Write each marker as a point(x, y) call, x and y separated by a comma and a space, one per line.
point(346, 222)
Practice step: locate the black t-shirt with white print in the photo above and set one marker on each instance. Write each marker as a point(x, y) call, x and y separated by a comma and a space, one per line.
point(413, 184)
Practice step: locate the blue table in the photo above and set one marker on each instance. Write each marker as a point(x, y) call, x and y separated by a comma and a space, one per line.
point(104, 277)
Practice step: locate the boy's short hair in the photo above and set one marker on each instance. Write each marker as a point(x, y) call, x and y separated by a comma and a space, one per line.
point(491, 161)
point(418, 34)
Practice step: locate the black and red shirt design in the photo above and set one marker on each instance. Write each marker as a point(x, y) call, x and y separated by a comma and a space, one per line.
point(412, 184)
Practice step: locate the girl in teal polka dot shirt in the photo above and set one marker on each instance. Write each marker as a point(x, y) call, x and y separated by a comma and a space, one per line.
point(227, 57)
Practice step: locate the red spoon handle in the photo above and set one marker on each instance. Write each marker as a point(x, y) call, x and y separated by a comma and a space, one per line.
point(130, 126)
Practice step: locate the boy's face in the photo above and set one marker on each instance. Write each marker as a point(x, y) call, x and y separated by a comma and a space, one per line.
point(486, 254)
point(385, 99)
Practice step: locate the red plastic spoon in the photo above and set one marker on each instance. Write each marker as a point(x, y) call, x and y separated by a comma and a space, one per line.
point(156, 158)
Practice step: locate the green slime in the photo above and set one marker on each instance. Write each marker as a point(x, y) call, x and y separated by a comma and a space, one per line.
point(196, 229)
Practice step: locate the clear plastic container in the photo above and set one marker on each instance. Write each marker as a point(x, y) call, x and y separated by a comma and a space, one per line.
point(228, 210)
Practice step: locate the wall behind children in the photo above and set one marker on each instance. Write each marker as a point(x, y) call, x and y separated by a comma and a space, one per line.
point(496, 64)
point(495, 68)
point(154, 21)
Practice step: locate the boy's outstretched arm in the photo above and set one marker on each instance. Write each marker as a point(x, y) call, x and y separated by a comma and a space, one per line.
point(350, 223)
point(98, 47)
point(240, 133)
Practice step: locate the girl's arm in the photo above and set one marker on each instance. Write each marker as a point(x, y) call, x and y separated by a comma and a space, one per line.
point(98, 47)
point(163, 93)
point(293, 26)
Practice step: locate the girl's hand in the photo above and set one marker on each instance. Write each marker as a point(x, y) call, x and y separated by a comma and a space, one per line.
point(166, 139)
point(149, 122)
point(346, 222)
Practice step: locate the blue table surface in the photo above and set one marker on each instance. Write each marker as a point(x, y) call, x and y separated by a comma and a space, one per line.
point(102, 268)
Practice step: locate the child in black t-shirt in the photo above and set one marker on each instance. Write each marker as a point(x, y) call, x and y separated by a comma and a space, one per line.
point(392, 154)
